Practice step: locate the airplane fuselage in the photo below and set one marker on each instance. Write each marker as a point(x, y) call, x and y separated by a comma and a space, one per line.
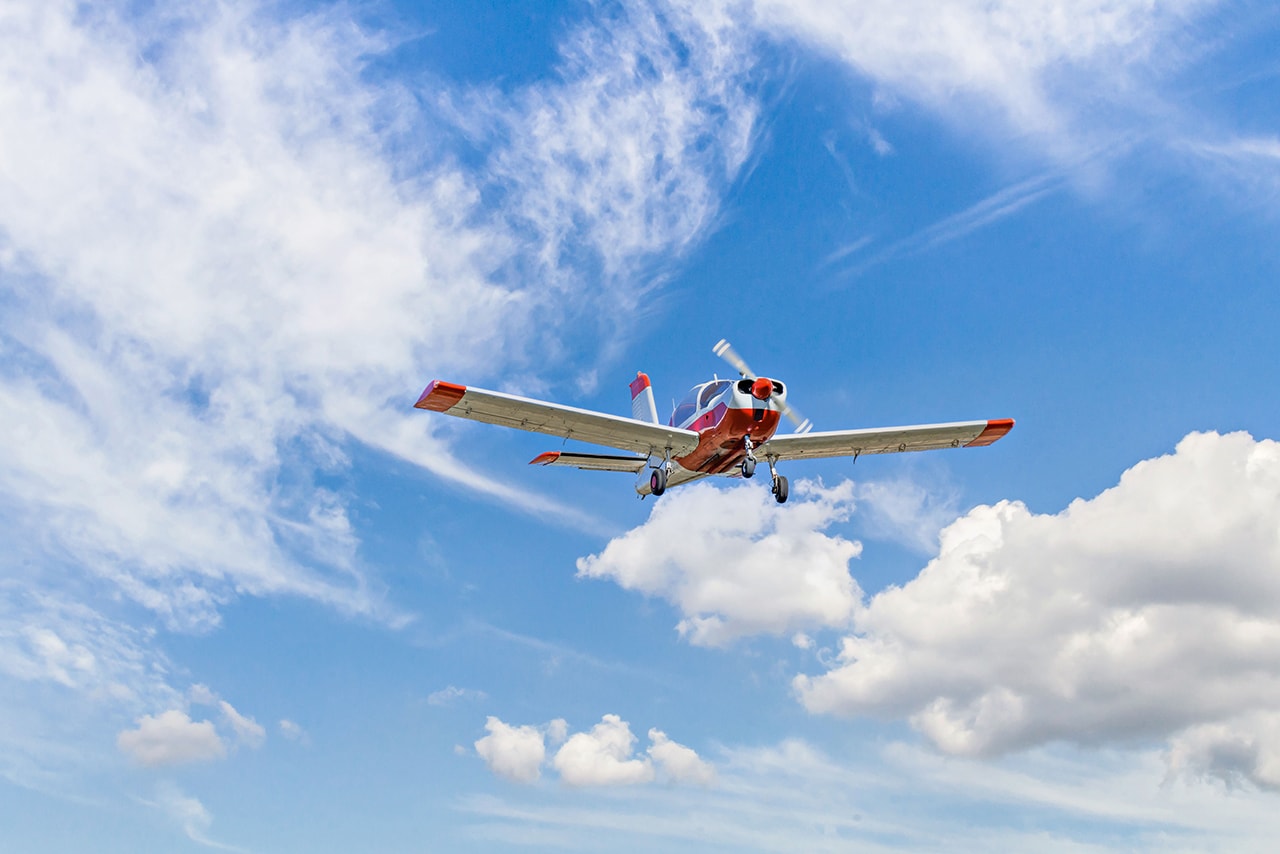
point(724, 413)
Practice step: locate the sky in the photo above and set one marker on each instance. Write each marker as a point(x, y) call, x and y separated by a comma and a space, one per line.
point(251, 600)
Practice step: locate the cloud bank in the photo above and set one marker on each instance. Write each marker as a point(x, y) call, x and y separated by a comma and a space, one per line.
point(1150, 611)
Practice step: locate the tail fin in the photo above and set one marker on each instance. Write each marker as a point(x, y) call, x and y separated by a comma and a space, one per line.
point(642, 406)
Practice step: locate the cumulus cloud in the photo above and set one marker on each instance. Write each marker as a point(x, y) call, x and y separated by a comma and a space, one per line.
point(602, 756)
point(1242, 749)
point(1149, 611)
point(735, 563)
point(679, 763)
point(171, 738)
point(513, 752)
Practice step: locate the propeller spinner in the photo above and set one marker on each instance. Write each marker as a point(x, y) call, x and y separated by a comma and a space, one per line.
point(726, 352)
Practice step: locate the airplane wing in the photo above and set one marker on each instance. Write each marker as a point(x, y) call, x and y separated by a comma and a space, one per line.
point(885, 440)
point(598, 428)
point(590, 462)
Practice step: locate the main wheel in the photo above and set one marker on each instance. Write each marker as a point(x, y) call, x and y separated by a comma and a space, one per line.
point(780, 489)
point(748, 467)
point(658, 481)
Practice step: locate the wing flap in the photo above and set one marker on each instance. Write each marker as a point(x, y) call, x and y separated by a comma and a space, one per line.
point(553, 419)
point(886, 440)
point(590, 462)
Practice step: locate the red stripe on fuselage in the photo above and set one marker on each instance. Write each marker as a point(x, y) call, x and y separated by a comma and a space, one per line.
point(720, 444)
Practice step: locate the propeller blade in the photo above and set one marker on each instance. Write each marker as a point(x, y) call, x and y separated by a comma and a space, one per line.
point(724, 351)
point(803, 425)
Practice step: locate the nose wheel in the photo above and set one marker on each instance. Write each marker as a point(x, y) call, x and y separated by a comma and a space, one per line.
point(748, 464)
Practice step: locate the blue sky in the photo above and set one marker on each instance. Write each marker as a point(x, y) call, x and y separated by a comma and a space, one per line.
point(253, 601)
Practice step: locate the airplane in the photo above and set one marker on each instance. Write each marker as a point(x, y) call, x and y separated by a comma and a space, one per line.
point(722, 427)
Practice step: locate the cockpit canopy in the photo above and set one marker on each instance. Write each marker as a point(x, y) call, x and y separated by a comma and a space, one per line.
point(699, 397)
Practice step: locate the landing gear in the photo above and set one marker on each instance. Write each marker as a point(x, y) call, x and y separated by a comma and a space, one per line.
point(780, 485)
point(658, 481)
point(749, 464)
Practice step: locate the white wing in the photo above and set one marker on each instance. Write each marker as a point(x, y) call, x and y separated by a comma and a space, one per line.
point(885, 440)
point(536, 416)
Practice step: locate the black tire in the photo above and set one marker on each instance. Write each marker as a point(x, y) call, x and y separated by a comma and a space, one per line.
point(658, 481)
point(780, 490)
point(748, 468)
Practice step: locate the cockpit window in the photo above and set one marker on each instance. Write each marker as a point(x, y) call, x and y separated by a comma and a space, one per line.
point(685, 409)
point(710, 391)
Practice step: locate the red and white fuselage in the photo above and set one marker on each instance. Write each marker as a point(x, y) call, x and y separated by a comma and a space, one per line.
point(724, 414)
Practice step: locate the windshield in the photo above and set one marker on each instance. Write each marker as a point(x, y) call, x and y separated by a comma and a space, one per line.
point(686, 408)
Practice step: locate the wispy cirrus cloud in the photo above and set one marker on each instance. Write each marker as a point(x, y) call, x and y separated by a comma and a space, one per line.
point(1061, 72)
point(217, 274)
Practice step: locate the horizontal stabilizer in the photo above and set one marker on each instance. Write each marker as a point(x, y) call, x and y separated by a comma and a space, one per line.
point(590, 462)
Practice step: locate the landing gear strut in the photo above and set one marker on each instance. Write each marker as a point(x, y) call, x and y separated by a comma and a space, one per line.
point(749, 464)
point(780, 484)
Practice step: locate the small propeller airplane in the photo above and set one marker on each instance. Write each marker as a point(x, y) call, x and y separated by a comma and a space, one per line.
point(722, 427)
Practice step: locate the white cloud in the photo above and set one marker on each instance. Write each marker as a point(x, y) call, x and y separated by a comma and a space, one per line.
point(1149, 611)
point(451, 694)
point(219, 269)
point(604, 756)
point(1238, 750)
point(735, 563)
point(189, 814)
point(171, 738)
point(293, 731)
point(513, 752)
point(1038, 65)
point(247, 731)
point(681, 764)
point(628, 154)
point(904, 511)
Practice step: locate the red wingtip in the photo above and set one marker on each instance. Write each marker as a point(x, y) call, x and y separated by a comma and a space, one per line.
point(995, 429)
point(440, 396)
point(545, 459)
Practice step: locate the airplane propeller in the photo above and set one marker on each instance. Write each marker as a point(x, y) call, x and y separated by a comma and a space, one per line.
point(726, 352)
